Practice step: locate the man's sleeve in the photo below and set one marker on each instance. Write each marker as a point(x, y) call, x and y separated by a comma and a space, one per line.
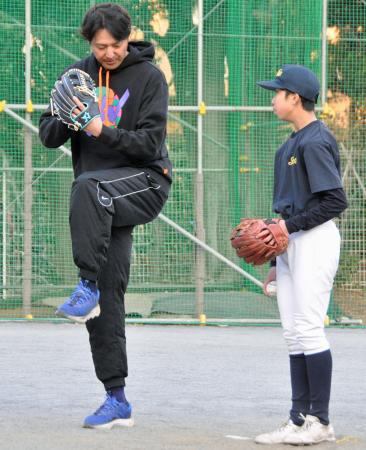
point(52, 132)
point(331, 204)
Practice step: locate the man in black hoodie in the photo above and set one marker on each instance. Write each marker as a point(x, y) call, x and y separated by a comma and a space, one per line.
point(122, 179)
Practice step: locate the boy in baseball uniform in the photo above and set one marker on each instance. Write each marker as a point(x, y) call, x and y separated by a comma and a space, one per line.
point(308, 194)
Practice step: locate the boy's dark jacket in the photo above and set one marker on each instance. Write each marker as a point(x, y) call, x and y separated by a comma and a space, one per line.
point(138, 99)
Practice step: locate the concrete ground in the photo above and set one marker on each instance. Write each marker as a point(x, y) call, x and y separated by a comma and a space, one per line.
point(192, 388)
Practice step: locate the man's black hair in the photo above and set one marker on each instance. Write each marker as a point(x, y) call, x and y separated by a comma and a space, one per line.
point(108, 16)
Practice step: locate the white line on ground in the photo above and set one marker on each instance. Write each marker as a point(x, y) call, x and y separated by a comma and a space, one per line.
point(239, 438)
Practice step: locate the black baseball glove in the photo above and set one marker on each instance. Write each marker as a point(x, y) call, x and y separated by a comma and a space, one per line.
point(74, 83)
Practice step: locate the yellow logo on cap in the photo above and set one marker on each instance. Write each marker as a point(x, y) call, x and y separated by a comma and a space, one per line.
point(279, 73)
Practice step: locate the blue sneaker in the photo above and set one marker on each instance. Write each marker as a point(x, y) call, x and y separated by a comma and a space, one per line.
point(110, 413)
point(82, 305)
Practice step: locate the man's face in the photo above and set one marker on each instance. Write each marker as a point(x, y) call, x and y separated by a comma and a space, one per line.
point(283, 105)
point(108, 51)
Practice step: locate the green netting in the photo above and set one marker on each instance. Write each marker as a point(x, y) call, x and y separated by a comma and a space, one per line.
point(242, 43)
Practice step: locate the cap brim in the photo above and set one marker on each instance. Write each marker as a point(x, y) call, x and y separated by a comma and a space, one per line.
point(271, 85)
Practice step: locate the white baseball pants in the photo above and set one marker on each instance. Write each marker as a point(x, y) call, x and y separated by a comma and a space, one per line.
point(305, 274)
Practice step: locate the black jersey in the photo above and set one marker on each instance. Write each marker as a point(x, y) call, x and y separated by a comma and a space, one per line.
point(306, 164)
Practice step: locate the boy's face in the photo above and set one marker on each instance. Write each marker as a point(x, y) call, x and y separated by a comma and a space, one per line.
point(284, 105)
point(108, 51)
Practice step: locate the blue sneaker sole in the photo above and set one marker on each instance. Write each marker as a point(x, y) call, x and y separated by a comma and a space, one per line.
point(117, 422)
point(95, 312)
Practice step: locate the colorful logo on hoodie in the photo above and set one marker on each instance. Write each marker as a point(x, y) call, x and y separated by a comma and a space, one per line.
point(110, 106)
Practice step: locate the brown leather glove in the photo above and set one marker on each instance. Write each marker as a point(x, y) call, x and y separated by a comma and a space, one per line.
point(259, 240)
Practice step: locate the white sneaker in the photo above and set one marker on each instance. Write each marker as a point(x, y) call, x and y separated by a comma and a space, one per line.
point(311, 432)
point(278, 436)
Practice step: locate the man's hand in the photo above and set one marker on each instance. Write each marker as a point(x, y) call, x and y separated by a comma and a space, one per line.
point(95, 126)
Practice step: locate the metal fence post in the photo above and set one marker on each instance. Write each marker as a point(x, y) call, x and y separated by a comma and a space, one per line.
point(28, 173)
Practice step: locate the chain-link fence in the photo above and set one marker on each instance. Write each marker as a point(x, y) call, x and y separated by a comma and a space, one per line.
point(222, 137)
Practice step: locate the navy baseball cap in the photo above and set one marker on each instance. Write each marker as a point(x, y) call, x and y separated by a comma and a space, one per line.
point(295, 78)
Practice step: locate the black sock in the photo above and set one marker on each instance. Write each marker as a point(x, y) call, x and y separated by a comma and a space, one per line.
point(300, 388)
point(119, 394)
point(319, 368)
point(91, 284)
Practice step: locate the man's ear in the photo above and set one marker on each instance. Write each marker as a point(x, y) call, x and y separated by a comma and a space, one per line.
point(296, 100)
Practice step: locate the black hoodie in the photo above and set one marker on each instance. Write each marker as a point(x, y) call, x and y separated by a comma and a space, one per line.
point(134, 130)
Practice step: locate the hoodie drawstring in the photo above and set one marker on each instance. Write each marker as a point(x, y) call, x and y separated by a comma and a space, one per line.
point(106, 96)
point(100, 88)
point(100, 100)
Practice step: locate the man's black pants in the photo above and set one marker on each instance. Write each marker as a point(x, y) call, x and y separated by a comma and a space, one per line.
point(105, 206)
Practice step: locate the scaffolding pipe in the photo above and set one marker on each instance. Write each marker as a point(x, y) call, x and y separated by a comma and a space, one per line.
point(4, 255)
point(200, 228)
point(324, 53)
point(175, 108)
point(209, 249)
point(27, 123)
point(28, 174)
point(350, 165)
